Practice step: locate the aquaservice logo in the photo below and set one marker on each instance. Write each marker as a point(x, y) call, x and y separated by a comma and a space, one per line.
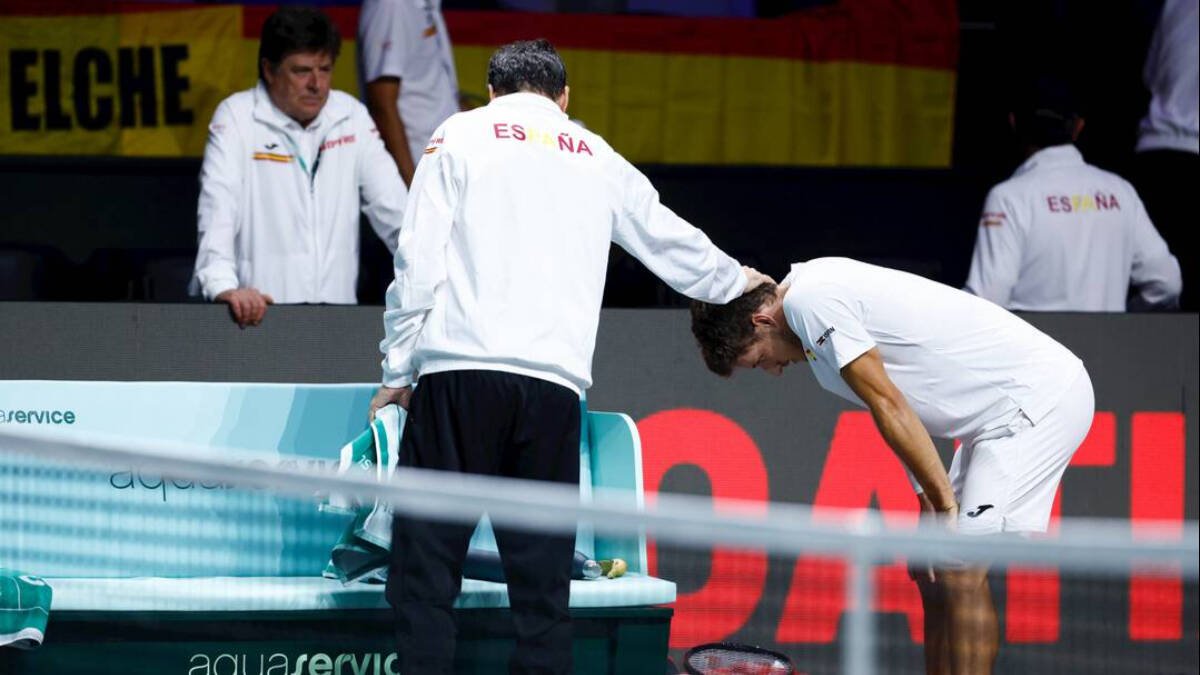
point(37, 417)
point(319, 663)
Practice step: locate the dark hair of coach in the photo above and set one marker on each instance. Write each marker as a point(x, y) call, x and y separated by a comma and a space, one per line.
point(529, 65)
point(296, 29)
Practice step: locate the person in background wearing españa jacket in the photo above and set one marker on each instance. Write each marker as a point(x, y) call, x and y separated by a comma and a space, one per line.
point(287, 169)
point(499, 276)
point(1062, 235)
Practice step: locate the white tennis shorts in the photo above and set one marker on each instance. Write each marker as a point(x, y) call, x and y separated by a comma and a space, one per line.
point(1008, 484)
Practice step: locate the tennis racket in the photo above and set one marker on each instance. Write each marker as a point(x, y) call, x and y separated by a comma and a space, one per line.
point(730, 658)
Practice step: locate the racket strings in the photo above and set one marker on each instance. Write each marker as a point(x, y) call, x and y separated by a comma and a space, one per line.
point(732, 660)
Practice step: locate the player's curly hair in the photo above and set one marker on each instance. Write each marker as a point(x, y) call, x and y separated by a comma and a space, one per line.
point(725, 332)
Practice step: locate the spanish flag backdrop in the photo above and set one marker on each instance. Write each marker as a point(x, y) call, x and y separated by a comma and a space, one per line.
point(854, 83)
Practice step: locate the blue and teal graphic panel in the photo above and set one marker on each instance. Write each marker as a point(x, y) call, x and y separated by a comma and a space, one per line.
point(61, 520)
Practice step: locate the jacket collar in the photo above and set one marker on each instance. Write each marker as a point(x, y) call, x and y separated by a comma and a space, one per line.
point(524, 99)
point(266, 112)
point(1052, 157)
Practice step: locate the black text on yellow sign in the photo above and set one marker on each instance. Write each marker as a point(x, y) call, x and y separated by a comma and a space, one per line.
point(108, 88)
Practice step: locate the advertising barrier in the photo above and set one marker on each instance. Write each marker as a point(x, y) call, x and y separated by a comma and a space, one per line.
point(752, 437)
point(126, 522)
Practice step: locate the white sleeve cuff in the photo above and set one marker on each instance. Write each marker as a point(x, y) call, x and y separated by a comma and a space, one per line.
point(214, 287)
point(397, 382)
point(393, 377)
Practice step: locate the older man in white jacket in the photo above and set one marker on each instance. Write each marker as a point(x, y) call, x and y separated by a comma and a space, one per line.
point(287, 169)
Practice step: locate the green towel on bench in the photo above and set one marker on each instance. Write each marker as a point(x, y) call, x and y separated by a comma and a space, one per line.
point(24, 609)
point(362, 550)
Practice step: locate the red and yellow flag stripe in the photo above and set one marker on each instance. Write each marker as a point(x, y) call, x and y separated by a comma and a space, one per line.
point(858, 83)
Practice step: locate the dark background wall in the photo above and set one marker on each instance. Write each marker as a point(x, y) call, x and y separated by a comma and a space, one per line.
point(103, 224)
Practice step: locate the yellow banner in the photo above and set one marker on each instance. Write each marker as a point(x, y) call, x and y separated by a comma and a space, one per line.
point(146, 83)
point(119, 84)
point(137, 84)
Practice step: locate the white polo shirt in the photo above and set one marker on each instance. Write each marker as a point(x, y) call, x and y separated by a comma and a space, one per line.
point(279, 203)
point(505, 242)
point(1172, 74)
point(965, 365)
point(1062, 235)
point(407, 39)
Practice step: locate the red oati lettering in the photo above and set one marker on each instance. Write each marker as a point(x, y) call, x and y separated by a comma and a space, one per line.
point(1157, 469)
point(860, 470)
point(1156, 493)
point(859, 467)
point(723, 450)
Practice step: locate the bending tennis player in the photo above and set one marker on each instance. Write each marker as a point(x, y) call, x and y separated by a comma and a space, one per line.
point(927, 359)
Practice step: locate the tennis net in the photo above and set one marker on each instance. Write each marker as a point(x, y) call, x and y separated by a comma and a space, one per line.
point(223, 552)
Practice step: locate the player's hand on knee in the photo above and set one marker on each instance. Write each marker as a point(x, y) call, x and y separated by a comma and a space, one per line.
point(247, 305)
point(387, 395)
point(947, 518)
point(931, 516)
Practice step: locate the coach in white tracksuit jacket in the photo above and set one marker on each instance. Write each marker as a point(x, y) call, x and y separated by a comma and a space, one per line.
point(499, 275)
point(1063, 235)
point(287, 169)
point(507, 273)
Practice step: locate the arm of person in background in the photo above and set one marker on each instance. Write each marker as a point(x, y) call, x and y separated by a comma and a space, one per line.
point(383, 42)
point(903, 431)
point(420, 267)
point(382, 193)
point(218, 219)
point(999, 244)
point(382, 96)
point(1155, 276)
point(670, 247)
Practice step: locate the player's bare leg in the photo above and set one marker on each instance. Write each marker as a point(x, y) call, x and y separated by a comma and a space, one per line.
point(974, 634)
point(937, 628)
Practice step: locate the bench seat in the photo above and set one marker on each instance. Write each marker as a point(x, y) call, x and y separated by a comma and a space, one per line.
point(287, 594)
point(183, 576)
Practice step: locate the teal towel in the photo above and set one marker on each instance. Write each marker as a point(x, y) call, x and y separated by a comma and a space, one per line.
point(24, 609)
point(362, 550)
